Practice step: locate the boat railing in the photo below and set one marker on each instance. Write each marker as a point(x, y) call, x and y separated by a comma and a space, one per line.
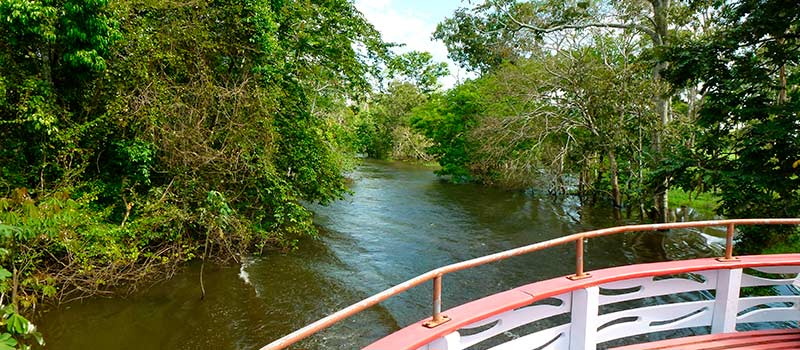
point(579, 239)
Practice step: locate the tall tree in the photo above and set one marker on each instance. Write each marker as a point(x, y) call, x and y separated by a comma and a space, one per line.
point(747, 139)
point(447, 120)
point(520, 26)
point(419, 69)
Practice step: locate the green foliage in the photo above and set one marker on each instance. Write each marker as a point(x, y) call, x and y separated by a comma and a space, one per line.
point(51, 54)
point(28, 21)
point(134, 159)
point(577, 107)
point(385, 114)
point(446, 120)
point(477, 38)
point(746, 140)
point(418, 69)
point(492, 32)
point(374, 139)
point(584, 113)
point(71, 232)
point(7, 342)
point(136, 131)
point(86, 34)
point(384, 127)
point(19, 332)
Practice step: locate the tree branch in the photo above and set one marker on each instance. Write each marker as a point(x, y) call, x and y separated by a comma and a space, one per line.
point(638, 27)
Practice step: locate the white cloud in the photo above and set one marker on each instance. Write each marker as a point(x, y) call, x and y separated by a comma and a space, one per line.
point(409, 26)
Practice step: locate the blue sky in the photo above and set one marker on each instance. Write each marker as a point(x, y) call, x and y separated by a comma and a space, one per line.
point(412, 22)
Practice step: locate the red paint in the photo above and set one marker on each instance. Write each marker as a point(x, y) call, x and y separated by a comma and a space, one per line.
point(751, 340)
point(415, 335)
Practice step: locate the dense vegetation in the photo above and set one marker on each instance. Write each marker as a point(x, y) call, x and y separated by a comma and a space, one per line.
point(621, 101)
point(139, 134)
point(744, 139)
point(385, 129)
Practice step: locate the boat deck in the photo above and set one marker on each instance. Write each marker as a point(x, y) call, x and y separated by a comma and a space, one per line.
point(774, 339)
point(583, 298)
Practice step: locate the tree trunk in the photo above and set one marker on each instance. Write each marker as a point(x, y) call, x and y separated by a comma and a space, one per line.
point(615, 193)
point(598, 179)
point(661, 190)
point(782, 92)
point(782, 95)
point(662, 104)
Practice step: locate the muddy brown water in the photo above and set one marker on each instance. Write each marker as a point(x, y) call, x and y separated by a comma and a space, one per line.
point(400, 221)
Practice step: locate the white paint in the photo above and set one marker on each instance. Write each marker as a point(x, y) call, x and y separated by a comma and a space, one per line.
point(451, 341)
point(789, 270)
point(729, 283)
point(585, 305)
point(752, 281)
point(645, 316)
point(650, 287)
point(769, 313)
point(510, 320)
point(539, 339)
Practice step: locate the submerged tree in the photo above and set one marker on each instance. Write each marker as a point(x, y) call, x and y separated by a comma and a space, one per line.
point(498, 30)
point(578, 112)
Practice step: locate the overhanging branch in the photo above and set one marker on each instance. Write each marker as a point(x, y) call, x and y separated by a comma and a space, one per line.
point(638, 27)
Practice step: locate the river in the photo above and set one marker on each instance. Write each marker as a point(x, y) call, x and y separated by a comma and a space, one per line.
point(399, 222)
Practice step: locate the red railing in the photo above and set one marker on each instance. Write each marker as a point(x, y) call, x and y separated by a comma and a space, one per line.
point(579, 238)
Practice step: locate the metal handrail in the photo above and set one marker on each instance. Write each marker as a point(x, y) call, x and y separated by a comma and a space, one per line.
point(436, 274)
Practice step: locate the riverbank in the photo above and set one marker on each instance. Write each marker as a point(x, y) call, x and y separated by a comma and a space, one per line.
point(705, 204)
point(62, 248)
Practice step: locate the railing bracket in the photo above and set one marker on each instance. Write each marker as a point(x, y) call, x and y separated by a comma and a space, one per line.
point(723, 259)
point(434, 323)
point(580, 277)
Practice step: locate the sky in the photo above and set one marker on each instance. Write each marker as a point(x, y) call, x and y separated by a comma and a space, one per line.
point(412, 22)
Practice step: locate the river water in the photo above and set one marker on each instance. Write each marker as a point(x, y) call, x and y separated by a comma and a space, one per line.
point(399, 222)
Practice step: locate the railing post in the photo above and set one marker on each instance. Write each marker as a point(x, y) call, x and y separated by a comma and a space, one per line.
point(579, 273)
point(726, 303)
point(437, 318)
point(583, 327)
point(729, 244)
